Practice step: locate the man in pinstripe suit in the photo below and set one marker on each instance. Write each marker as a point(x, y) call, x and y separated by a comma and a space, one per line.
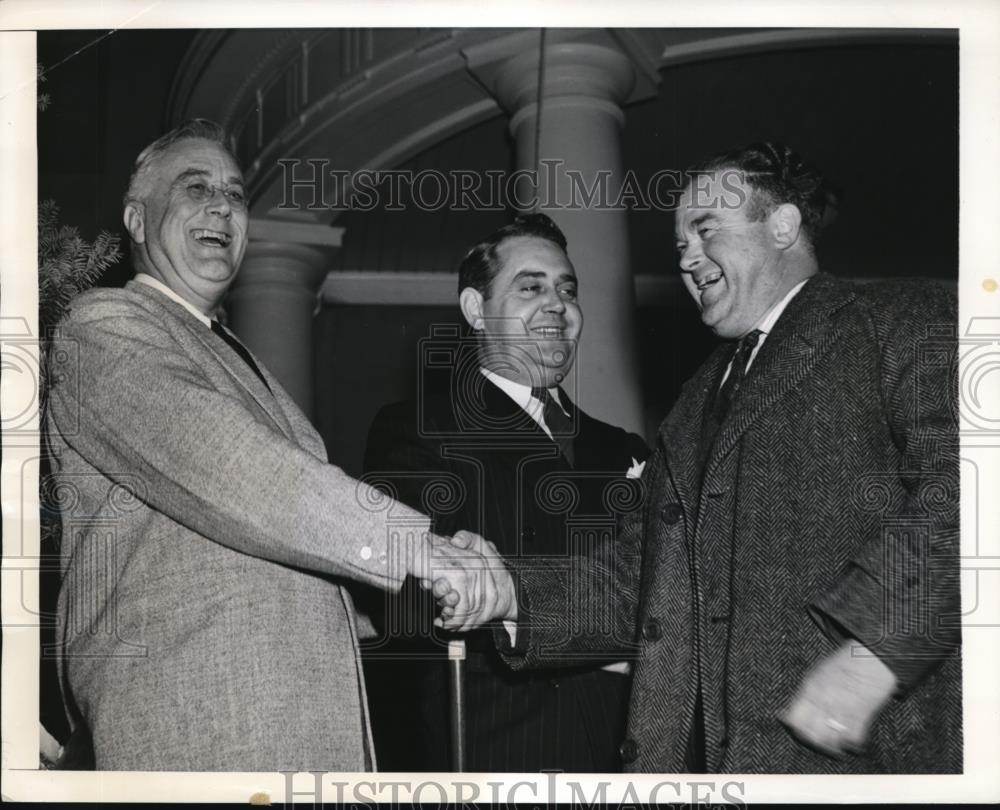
point(798, 602)
point(503, 451)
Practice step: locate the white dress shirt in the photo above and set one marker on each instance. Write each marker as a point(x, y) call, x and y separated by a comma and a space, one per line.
point(523, 398)
point(156, 284)
point(766, 325)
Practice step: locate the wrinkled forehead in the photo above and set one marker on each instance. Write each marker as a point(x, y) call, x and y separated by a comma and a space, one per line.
point(197, 156)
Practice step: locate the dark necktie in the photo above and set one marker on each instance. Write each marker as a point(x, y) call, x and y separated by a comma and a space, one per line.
point(715, 414)
point(737, 373)
point(239, 348)
point(558, 423)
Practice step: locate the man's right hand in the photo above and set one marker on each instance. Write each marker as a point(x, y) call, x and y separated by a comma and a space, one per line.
point(469, 580)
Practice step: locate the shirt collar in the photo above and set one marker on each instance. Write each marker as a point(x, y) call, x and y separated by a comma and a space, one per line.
point(521, 393)
point(156, 284)
point(768, 321)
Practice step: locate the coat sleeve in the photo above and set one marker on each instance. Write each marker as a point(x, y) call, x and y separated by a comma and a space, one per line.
point(900, 595)
point(580, 609)
point(131, 401)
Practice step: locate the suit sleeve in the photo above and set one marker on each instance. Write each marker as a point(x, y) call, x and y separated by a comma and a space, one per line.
point(135, 406)
point(582, 609)
point(406, 465)
point(900, 595)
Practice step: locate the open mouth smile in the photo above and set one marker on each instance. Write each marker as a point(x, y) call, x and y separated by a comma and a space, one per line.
point(549, 331)
point(709, 280)
point(211, 238)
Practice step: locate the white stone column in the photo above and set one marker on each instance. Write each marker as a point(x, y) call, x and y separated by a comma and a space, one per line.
point(581, 121)
point(271, 308)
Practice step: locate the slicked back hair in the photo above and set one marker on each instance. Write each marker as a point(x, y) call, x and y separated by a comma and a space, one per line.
point(481, 264)
point(195, 128)
point(776, 175)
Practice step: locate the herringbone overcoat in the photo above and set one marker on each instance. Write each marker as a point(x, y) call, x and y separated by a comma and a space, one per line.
point(827, 509)
point(203, 620)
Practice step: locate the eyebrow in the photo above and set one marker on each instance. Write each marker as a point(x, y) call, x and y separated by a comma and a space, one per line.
point(189, 173)
point(523, 274)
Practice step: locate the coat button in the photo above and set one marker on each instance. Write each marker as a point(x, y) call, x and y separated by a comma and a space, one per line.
point(528, 535)
point(671, 513)
point(652, 630)
point(628, 751)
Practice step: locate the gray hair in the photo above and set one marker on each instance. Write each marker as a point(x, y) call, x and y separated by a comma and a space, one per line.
point(200, 128)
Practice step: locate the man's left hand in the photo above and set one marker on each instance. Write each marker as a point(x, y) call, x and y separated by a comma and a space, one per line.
point(838, 700)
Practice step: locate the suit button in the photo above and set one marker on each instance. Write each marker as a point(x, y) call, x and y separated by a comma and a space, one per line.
point(528, 535)
point(671, 513)
point(628, 751)
point(652, 630)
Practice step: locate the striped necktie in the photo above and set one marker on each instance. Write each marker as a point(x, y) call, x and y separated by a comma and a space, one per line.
point(559, 424)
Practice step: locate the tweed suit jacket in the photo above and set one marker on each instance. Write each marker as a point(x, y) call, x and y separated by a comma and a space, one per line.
point(507, 480)
point(826, 509)
point(203, 619)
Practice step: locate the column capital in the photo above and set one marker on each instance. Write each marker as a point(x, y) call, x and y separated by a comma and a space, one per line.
point(572, 69)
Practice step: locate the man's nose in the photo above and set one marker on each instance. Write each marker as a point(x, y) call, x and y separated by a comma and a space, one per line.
point(691, 257)
point(219, 203)
point(555, 302)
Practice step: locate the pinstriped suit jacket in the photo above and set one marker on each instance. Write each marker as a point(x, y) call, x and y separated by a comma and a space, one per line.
point(827, 508)
point(204, 624)
point(508, 482)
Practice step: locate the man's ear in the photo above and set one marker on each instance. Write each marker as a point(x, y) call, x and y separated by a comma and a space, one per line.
point(471, 302)
point(135, 221)
point(786, 224)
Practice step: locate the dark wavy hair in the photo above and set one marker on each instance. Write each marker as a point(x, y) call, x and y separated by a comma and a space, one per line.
point(480, 266)
point(777, 175)
point(194, 128)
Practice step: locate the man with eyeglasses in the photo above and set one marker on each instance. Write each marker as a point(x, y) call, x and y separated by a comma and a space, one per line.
point(203, 619)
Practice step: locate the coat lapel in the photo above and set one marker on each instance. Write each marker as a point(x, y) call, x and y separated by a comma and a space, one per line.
point(511, 419)
point(233, 363)
point(681, 432)
point(802, 336)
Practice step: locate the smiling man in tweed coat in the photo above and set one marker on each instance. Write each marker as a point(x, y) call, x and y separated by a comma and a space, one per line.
point(798, 603)
point(203, 619)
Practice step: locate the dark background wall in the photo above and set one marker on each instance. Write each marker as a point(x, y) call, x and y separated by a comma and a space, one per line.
point(880, 121)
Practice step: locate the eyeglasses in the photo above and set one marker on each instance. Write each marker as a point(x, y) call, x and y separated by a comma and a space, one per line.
point(199, 192)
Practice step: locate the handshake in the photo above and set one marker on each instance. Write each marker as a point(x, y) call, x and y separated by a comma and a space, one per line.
point(469, 580)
